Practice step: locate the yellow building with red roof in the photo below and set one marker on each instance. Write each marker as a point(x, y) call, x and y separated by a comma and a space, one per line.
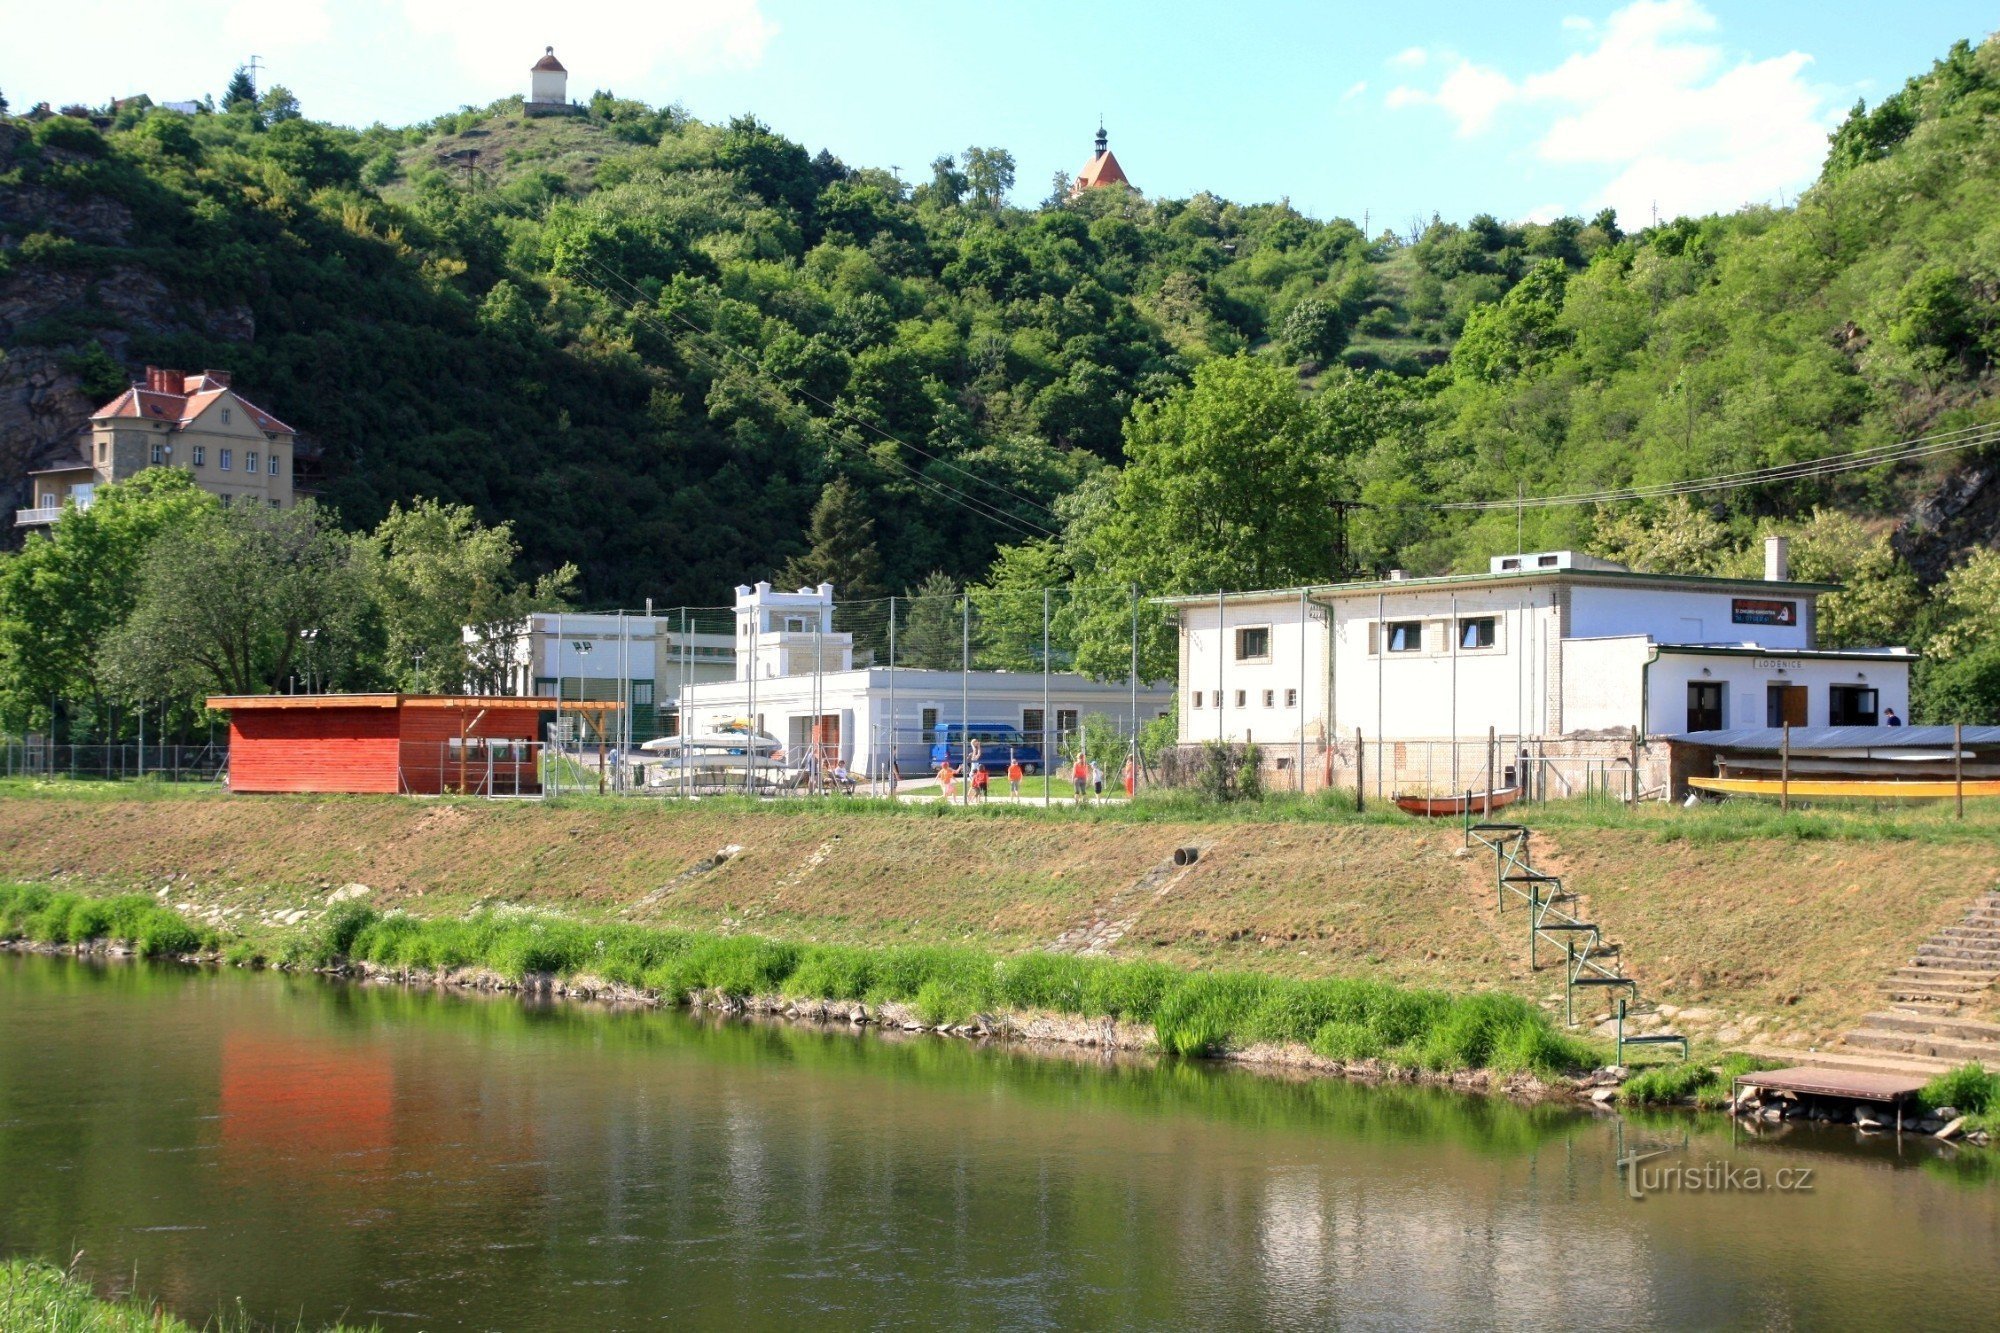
point(200, 423)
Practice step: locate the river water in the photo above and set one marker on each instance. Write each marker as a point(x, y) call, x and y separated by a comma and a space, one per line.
point(320, 1150)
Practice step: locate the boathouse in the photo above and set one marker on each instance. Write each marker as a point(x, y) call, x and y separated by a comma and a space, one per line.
point(412, 744)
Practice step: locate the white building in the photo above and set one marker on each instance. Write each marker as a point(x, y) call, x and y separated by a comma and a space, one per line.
point(862, 715)
point(548, 84)
point(1549, 645)
point(646, 660)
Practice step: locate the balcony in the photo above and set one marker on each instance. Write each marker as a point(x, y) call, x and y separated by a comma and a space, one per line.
point(43, 515)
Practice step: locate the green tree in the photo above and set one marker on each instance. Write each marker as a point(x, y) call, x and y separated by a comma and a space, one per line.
point(278, 105)
point(1964, 689)
point(989, 173)
point(1314, 331)
point(241, 92)
point(1879, 599)
point(312, 154)
point(843, 550)
point(235, 601)
point(67, 590)
point(436, 573)
point(933, 631)
point(1675, 538)
point(1009, 607)
point(1519, 334)
point(1965, 608)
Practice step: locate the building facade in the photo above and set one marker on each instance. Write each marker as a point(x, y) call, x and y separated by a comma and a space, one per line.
point(199, 423)
point(644, 660)
point(548, 86)
point(796, 680)
point(1549, 646)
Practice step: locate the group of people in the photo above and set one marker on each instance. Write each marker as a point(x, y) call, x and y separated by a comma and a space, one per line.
point(1086, 776)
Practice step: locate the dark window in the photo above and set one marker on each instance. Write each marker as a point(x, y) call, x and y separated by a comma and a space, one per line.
point(930, 724)
point(1253, 642)
point(1852, 706)
point(1031, 720)
point(1477, 632)
point(1197, 698)
point(1705, 705)
point(226, 457)
point(1242, 699)
point(1545, 562)
point(1065, 722)
point(1404, 636)
point(1270, 698)
point(1291, 698)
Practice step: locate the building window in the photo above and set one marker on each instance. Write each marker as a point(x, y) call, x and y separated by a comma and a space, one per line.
point(1403, 636)
point(1291, 698)
point(225, 416)
point(224, 457)
point(1477, 632)
point(1270, 698)
point(929, 724)
point(1852, 706)
point(159, 453)
point(1253, 643)
point(274, 502)
point(1242, 699)
point(1065, 723)
point(1197, 699)
point(201, 455)
point(103, 451)
point(250, 461)
point(1704, 705)
point(1032, 722)
point(274, 465)
point(225, 497)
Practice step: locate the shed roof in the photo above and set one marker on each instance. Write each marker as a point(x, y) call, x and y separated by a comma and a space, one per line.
point(1853, 742)
point(1485, 579)
point(329, 702)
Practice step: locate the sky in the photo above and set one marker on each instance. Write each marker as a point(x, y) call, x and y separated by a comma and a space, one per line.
point(1382, 113)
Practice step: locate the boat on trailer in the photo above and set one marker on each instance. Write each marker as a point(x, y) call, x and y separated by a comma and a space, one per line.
point(1455, 807)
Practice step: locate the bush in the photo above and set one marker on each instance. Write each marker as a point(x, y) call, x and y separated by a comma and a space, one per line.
point(1044, 981)
point(1206, 1011)
point(1129, 991)
point(1346, 1042)
point(1968, 1089)
point(832, 972)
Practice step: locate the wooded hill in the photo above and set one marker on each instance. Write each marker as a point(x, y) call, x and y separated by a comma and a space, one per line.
point(653, 344)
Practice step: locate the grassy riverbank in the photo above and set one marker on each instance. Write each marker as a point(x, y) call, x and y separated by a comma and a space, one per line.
point(1736, 913)
point(45, 1299)
point(1191, 1013)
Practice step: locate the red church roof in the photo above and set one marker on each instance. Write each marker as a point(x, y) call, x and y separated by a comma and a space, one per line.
point(1103, 170)
point(178, 398)
point(549, 62)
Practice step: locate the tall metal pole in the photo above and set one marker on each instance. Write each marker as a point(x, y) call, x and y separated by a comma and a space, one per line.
point(750, 750)
point(1785, 770)
point(892, 686)
point(1133, 757)
point(1958, 767)
point(624, 693)
point(555, 769)
point(1381, 657)
point(1302, 693)
point(686, 672)
point(1221, 662)
point(1452, 629)
point(964, 702)
point(1049, 755)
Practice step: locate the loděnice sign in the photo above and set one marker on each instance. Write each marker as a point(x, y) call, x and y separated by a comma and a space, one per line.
point(1763, 611)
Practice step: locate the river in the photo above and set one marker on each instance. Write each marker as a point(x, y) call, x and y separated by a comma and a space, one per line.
point(323, 1150)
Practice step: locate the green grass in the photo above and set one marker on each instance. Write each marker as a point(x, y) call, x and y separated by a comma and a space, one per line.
point(1192, 1013)
point(44, 1298)
point(45, 916)
point(1711, 1085)
point(1970, 1090)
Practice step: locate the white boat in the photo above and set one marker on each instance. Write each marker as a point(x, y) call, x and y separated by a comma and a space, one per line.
point(732, 748)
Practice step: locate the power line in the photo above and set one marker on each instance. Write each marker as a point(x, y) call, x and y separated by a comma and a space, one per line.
point(1946, 442)
point(973, 504)
point(833, 409)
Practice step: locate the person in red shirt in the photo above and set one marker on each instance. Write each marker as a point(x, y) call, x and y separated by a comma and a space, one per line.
point(1013, 775)
point(979, 779)
point(1131, 776)
point(1080, 775)
point(945, 776)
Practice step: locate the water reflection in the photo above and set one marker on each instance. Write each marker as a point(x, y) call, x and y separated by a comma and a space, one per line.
point(452, 1162)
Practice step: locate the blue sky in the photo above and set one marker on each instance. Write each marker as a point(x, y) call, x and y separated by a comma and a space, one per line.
point(1393, 111)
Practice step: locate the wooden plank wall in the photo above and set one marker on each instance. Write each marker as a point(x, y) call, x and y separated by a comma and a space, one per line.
point(313, 750)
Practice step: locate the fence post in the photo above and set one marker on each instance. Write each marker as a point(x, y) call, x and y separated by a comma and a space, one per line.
point(892, 769)
point(1958, 767)
point(964, 701)
point(1302, 693)
point(1360, 773)
point(1048, 756)
point(1785, 770)
point(1134, 756)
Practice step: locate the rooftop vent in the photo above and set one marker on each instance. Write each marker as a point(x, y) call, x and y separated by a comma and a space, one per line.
point(1533, 560)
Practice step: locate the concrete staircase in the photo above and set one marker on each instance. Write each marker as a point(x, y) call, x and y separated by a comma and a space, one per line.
point(1923, 1030)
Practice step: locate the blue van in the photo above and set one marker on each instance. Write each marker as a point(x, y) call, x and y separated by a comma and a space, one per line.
point(999, 743)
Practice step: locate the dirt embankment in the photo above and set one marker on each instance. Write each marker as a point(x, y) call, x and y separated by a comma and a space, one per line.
point(1793, 934)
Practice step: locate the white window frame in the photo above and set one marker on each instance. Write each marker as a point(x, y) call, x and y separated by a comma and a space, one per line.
point(274, 462)
point(1381, 634)
point(250, 461)
point(1270, 698)
point(224, 457)
point(200, 455)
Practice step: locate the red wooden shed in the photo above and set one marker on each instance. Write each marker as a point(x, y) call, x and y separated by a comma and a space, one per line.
point(414, 744)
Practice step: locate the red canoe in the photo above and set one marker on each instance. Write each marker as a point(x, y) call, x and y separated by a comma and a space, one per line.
point(1453, 807)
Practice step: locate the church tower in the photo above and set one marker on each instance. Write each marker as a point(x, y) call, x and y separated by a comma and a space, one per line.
point(548, 81)
point(1102, 169)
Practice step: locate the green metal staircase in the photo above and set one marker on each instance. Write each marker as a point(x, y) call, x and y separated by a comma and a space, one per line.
point(1589, 963)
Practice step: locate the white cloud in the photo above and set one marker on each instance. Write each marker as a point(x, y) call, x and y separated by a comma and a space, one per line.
point(1543, 213)
point(1653, 101)
point(610, 43)
point(1354, 90)
point(254, 26)
point(1409, 58)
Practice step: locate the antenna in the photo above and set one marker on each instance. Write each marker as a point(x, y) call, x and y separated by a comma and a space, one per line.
point(256, 63)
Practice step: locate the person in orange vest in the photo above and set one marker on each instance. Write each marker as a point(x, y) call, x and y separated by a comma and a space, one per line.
point(945, 776)
point(1013, 774)
point(1080, 775)
point(1131, 776)
point(979, 780)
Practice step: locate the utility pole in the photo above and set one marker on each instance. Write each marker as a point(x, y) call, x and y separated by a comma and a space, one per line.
point(256, 63)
